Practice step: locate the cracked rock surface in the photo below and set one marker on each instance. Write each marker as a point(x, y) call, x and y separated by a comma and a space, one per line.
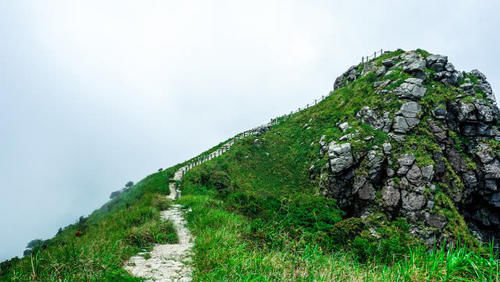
point(442, 151)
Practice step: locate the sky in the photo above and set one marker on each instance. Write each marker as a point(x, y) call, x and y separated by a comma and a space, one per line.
point(96, 93)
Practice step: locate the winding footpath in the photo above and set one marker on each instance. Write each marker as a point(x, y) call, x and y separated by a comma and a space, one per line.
point(171, 262)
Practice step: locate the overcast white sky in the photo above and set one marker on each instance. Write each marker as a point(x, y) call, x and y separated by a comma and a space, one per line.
point(96, 93)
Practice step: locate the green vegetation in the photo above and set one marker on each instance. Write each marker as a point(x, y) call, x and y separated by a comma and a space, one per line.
point(226, 249)
point(388, 55)
point(258, 215)
point(95, 247)
point(424, 53)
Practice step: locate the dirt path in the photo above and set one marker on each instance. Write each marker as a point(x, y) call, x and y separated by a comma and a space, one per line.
point(168, 262)
point(171, 262)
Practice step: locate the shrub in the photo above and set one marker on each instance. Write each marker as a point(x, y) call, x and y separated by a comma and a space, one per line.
point(344, 231)
point(160, 202)
point(115, 194)
point(221, 181)
point(246, 203)
point(386, 243)
point(159, 231)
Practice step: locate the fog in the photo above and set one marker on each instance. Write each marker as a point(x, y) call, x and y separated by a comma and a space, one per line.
point(96, 93)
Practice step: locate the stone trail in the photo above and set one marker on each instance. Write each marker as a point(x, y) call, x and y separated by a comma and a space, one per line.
point(168, 262)
point(171, 262)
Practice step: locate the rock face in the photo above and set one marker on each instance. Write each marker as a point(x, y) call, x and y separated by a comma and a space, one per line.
point(349, 76)
point(456, 167)
point(412, 89)
point(340, 156)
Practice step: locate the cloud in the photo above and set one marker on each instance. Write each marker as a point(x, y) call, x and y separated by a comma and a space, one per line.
point(98, 93)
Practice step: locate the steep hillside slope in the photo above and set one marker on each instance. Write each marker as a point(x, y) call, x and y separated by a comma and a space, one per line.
point(402, 154)
point(392, 176)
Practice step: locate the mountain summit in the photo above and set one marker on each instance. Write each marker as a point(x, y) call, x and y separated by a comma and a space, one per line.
point(438, 164)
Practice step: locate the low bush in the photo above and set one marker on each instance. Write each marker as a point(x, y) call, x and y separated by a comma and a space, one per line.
point(158, 231)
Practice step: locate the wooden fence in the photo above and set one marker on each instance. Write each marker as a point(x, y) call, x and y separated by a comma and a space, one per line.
point(255, 131)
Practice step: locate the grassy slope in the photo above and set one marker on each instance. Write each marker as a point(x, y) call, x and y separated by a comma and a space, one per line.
point(256, 215)
point(121, 228)
point(110, 235)
point(118, 230)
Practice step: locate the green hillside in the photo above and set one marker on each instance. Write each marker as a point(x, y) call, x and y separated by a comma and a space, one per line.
point(376, 182)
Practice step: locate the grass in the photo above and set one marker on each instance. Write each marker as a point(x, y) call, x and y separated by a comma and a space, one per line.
point(223, 251)
point(96, 247)
point(258, 214)
point(268, 221)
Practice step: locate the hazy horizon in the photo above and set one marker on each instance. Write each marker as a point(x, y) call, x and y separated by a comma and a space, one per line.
point(95, 94)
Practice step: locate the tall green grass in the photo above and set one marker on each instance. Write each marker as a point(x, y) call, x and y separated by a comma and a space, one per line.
point(259, 216)
point(95, 248)
point(223, 252)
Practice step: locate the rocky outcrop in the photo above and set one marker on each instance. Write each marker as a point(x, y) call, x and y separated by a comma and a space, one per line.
point(340, 156)
point(367, 115)
point(407, 117)
point(411, 88)
point(460, 160)
point(349, 76)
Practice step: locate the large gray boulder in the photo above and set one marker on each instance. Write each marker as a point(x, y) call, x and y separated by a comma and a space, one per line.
point(484, 86)
point(492, 170)
point(436, 62)
point(410, 109)
point(414, 175)
point(407, 117)
point(400, 125)
point(340, 156)
point(411, 89)
point(349, 76)
point(390, 195)
point(406, 160)
point(412, 201)
point(484, 152)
